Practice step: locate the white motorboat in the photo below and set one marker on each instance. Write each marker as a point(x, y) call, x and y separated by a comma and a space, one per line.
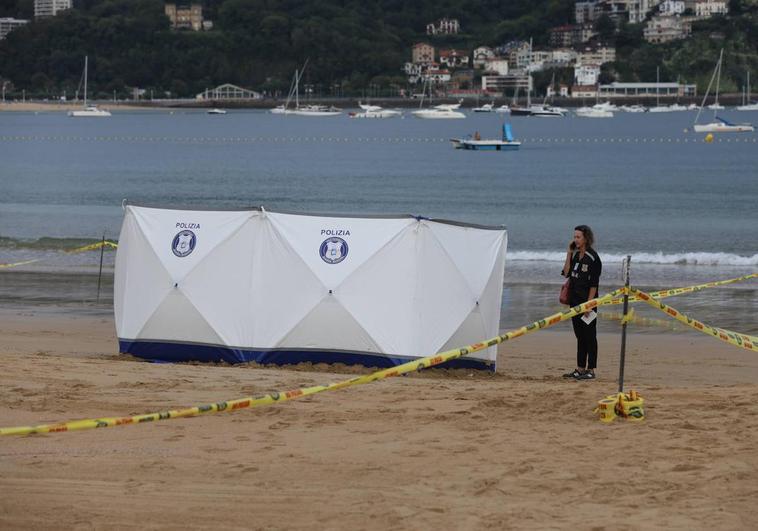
point(633, 108)
point(542, 111)
point(376, 112)
point(503, 109)
point(592, 112)
point(215, 111)
point(89, 111)
point(487, 107)
point(716, 107)
point(605, 106)
point(718, 124)
point(438, 114)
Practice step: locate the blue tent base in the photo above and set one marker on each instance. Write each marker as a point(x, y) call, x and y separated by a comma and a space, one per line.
point(162, 351)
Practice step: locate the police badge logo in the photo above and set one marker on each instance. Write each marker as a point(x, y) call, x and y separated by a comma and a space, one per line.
point(333, 250)
point(183, 243)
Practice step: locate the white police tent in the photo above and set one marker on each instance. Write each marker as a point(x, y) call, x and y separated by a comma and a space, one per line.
point(276, 287)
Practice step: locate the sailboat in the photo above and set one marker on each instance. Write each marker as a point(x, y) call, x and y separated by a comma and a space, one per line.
point(305, 110)
point(89, 111)
point(674, 107)
point(747, 106)
point(542, 111)
point(718, 125)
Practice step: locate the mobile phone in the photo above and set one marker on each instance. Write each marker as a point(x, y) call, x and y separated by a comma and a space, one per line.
point(573, 245)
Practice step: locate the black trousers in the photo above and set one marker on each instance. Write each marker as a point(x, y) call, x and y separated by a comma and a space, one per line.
point(586, 342)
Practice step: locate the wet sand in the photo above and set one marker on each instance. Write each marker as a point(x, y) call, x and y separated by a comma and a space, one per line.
point(439, 450)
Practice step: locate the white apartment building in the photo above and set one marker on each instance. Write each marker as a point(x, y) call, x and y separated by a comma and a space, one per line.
point(670, 8)
point(709, 8)
point(638, 9)
point(598, 56)
point(585, 75)
point(9, 24)
point(422, 53)
point(50, 8)
point(444, 26)
point(587, 12)
point(482, 55)
point(497, 65)
point(666, 29)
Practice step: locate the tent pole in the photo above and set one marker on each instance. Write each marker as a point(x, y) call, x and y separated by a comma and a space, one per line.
point(622, 358)
point(100, 272)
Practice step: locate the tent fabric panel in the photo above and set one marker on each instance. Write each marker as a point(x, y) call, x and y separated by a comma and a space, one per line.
point(363, 237)
point(220, 285)
point(177, 319)
point(443, 298)
point(386, 310)
point(329, 323)
point(474, 251)
point(141, 282)
point(284, 289)
point(209, 228)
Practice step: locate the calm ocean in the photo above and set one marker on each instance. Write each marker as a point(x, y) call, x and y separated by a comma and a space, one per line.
point(685, 210)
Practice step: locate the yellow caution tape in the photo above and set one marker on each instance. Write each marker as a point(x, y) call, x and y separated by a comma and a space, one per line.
point(629, 406)
point(734, 338)
point(92, 247)
point(637, 319)
point(662, 294)
point(16, 264)
point(276, 397)
point(628, 317)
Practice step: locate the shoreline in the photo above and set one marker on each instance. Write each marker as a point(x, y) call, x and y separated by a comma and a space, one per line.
point(344, 103)
point(56, 292)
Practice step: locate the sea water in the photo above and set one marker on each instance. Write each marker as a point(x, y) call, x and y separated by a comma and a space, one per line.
point(683, 208)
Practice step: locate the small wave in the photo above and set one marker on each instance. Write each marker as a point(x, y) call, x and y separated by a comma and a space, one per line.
point(45, 244)
point(695, 259)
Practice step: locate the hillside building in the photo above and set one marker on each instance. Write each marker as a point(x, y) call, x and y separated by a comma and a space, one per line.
point(185, 16)
point(9, 24)
point(444, 26)
point(50, 8)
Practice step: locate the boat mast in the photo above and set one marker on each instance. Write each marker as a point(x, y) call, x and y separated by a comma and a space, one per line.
point(85, 81)
point(718, 77)
point(747, 95)
point(657, 86)
point(710, 84)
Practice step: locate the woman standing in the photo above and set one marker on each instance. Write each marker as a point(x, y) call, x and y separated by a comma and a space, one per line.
point(583, 269)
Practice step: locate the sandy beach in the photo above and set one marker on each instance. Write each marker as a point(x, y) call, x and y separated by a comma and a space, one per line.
point(439, 450)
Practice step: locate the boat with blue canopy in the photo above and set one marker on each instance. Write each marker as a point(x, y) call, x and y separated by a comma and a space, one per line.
point(476, 143)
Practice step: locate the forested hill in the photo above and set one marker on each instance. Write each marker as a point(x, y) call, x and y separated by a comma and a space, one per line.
point(259, 43)
point(254, 43)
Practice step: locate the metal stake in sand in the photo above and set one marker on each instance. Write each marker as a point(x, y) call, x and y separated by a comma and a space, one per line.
point(100, 273)
point(623, 323)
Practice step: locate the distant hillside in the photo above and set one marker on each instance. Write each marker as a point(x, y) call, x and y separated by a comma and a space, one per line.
point(352, 44)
